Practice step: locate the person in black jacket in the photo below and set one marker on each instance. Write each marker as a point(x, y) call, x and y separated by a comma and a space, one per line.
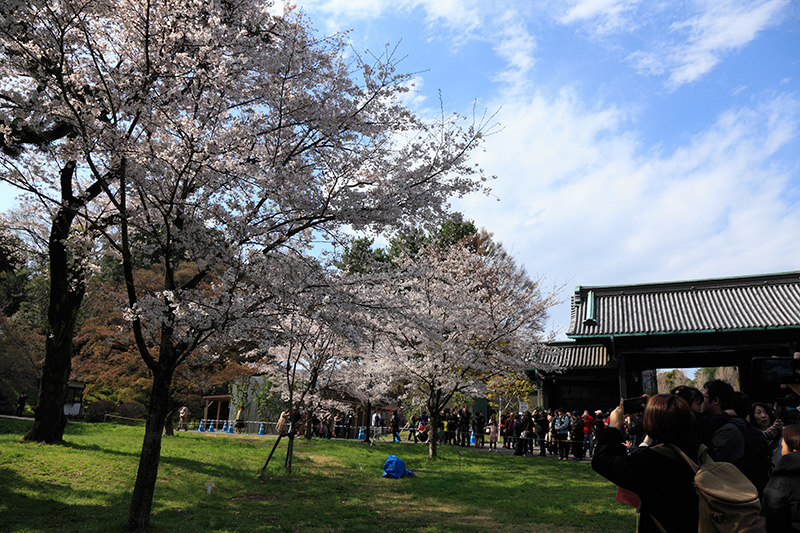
point(732, 439)
point(781, 505)
point(663, 483)
point(542, 426)
point(525, 438)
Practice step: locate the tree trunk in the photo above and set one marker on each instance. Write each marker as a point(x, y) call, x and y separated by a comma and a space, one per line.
point(143, 490)
point(66, 294)
point(169, 428)
point(266, 463)
point(433, 433)
point(368, 423)
point(49, 419)
point(289, 453)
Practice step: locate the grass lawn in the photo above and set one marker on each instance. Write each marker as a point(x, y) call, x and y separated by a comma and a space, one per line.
point(86, 484)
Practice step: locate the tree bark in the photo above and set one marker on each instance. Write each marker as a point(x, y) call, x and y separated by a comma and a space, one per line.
point(289, 452)
point(169, 423)
point(368, 423)
point(66, 294)
point(169, 428)
point(266, 463)
point(433, 433)
point(144, 489)
point(49, 419)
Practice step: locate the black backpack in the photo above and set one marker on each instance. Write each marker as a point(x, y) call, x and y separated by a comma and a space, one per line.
point(757, 460)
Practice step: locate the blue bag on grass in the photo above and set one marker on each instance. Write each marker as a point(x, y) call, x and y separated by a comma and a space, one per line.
point(395, 468)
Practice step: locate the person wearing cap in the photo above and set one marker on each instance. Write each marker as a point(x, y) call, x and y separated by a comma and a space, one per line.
point(599, 422)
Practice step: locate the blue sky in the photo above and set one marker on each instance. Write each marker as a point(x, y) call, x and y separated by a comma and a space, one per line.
point(638, 141)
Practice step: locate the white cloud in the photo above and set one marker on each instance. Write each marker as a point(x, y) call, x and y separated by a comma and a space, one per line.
point(456, 22)
point(461, 15)
point(720, 29)
point(604, 15)
point(415, 98)
point(684, 39)
point(702, 41)
point(516, 46)
point(338, 12)
point(583, 201)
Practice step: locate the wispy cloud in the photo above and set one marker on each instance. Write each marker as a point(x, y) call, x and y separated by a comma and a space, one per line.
point(720, 29)
point(683, 40)
point(461, 15)
point(694, 46)
point(604, 15)
point(455, 23)
point(340, 11)
point(516, 47)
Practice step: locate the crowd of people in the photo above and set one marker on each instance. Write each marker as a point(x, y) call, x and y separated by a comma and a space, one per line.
point(539, 432)
point(565, 434)
point(642, 451)
point(649, 454)
point(559, 433)
point(531, 433)
point(648, 451)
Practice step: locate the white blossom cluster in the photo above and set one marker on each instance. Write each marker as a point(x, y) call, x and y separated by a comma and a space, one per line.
point(210, 146)
point(217, 134)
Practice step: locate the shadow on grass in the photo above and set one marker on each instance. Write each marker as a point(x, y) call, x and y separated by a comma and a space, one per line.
point(43, 506)
point(481, 491)
point(335, 486)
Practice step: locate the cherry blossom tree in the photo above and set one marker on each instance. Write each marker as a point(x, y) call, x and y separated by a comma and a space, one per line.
point(318, 334)
point(66, 250)
point(369, 377)
point(301, 364)
point(469, 313)
point(215, 134)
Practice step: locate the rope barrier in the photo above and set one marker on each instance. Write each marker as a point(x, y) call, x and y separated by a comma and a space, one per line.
point(107, 416)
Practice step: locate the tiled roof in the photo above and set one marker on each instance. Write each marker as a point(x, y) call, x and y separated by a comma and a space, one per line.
point(572, 355)
point(726, 304)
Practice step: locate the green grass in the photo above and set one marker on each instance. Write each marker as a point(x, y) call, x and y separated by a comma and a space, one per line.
point(85, 485)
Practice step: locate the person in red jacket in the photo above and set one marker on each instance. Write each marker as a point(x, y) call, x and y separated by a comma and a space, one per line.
point(588, 434)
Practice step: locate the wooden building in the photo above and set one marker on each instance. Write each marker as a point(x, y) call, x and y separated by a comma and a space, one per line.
point(621, 334)
point(217, 408)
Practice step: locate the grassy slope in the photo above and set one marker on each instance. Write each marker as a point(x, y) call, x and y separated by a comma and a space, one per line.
point(335, 486)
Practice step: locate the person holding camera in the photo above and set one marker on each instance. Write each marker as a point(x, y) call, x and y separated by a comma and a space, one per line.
point(664, 484)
